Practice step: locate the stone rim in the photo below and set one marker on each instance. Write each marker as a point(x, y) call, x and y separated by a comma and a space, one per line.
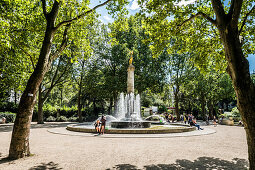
point(133, 131)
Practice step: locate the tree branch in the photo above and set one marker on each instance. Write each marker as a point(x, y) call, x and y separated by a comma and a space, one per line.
point(237, 6)
point(202, 15)
point(231, 9)
point(19, 45)
point(44, 8)
point(245, 19)
point(62, 46)
point(81, 15)
point(219, 10)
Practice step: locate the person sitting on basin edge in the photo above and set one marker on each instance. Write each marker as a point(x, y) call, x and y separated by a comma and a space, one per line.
point(97, 126)
point(194, 123)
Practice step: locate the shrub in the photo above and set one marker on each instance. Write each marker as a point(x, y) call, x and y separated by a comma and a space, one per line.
point(51, 119)
point(61, 119)
point(235, 112)
point(73, 119)
point(10, 117)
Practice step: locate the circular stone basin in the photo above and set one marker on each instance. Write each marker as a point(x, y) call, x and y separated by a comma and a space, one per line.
point(130, 124)
point(154, 129)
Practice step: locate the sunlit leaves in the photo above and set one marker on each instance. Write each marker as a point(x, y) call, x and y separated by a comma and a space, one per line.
point(197, 36)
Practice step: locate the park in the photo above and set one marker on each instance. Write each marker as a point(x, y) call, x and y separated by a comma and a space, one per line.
point(127, 84)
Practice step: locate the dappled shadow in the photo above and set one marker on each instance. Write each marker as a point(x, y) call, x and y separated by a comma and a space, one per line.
point(202, 163)
point(6, 160)
point(124, 167)
point(44, 166)
point(8, 127)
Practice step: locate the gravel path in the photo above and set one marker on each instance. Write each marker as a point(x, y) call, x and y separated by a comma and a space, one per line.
point(225, 149)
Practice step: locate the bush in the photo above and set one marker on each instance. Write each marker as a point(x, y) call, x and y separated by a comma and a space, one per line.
point(10, 117)
point(73, 119)
point(61, 119)
point(235, 112)
point(51, 119)
point(234, 115)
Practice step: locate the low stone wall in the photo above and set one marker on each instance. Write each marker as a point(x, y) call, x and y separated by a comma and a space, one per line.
point(134, 131)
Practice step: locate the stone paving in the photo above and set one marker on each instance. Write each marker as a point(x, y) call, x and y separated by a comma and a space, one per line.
point(64, 131)
point(53, 147)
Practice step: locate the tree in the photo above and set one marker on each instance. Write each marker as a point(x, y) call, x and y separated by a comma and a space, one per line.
point(55, 77)
point(178, 65)
point(55, 29)
point(232, 26)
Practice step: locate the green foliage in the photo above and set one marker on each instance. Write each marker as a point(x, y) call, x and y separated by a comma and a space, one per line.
point(50, 110)
point(61, 119)
point(8, 106)
point(168, 19)
point(151, 99)
point(235, 112)
point(51, 119)
point(73, 119)
point(10, 117)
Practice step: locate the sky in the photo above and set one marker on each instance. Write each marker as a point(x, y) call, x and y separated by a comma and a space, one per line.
point(133, 8)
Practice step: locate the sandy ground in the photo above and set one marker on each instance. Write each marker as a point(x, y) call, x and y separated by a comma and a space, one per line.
point(225, 149)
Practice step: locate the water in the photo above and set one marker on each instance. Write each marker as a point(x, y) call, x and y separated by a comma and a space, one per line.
point(128, 107)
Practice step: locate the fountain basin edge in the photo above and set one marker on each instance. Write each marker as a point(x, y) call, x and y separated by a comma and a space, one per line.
point(74, 127)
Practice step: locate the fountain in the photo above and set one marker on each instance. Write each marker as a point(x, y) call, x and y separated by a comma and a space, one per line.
point(127, 115)
point(128, 106)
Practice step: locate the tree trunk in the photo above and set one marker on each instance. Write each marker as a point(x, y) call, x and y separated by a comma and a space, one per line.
point(19, 146)
point(40, 106)
point(15, 97)
point(61, 97)
point(110, 107)
point(177, 106)
point(238, 69)
point(210, 106)
point(79, 102)
point(203, 107)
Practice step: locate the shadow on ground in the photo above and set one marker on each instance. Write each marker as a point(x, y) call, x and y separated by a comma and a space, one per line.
point(8, 127)
point(6, 160)
point(44, 166)
point(202, 163)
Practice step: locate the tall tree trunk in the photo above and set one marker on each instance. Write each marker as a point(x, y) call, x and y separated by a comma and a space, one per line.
point(19, 146)
point(40, 106)
point(61, 97)
point(203, 107)
point(110, 106)
point(177, 105)
point(210, 106)
point(15, 97)
point(79, 102)
point(238, 69)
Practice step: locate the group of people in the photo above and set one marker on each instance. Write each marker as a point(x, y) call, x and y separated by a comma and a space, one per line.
point(169, 117)
point(100, 125)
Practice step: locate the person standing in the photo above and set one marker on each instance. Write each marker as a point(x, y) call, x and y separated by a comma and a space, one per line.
point(214, 121)
point(103, 122)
